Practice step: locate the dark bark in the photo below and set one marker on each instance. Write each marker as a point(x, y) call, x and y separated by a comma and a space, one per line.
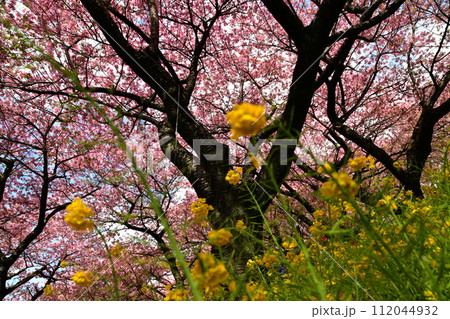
point(419, 145)
point(5, 174)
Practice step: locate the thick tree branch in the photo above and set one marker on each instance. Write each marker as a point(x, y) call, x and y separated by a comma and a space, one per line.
point(366, 22)
point(5, 174)
point(145, 64)
point(288, 19)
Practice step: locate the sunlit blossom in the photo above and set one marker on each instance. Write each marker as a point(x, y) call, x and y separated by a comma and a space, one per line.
point(78, 214)
point(83, 279)
point(234, 176)
point(240, 225)
point(430, 295)
point(220, 237)
point(325, 169)
point(200, 209)
point(358, 163)
point(255, 292)
point(271, 259)
point(116, 251)
point(387, 202)
point(398, 164)
point(340, 186)
point(177, 295)
point(48, 290)
point(208, 272)
point(289, 244)
point(246, 120)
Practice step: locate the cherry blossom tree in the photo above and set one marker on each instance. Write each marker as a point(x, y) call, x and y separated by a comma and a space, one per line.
point(38, 182)
point(335, 76)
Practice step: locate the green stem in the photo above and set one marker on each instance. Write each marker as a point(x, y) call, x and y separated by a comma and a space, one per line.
point(115, 279)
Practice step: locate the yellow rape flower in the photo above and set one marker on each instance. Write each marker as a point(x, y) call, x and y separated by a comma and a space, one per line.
point(371, 162)
point(357, 164)
point(63, 264)
point(430, 242)
point(144, 289)
point(337, 183)
point(208, 272)
point(325, 169)
point(246, 120)
point(220, 237)
point(251, 264)
point(83, 279)
point(240, 225)
point(411, 229)
point(271, 259)
point(387, 202)
point(200, 209)
point(335, 212)
point(317, 228)
point(177, 295)
point(116, 251)
point(289, 244)
point(77, 216)
point(232, 286)
point(48, 290)
point(256, 162)
point(430, 295)
point(318, 214)
point(234, 176)
point(255, 292)
point(398, 164)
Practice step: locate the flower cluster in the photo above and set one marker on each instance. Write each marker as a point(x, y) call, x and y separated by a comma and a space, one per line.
point(48, 290)
point(208, 272)
point(429, 295)
point(387, 202)
point(422, 226)
point(219, 237)
point(271, 259)
point(200, 210)
point(77, 216)
point(340, 186)
point(317, 228)
point(240, 225)
point(289, 243)
point(246, 120)
point(177, 295)
point(116, 251)
point(83, 279)
point(325, 169)
point(255, 292)
point(398, 164)
point(358, 163)
point(234, 176)
point(145, 289)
